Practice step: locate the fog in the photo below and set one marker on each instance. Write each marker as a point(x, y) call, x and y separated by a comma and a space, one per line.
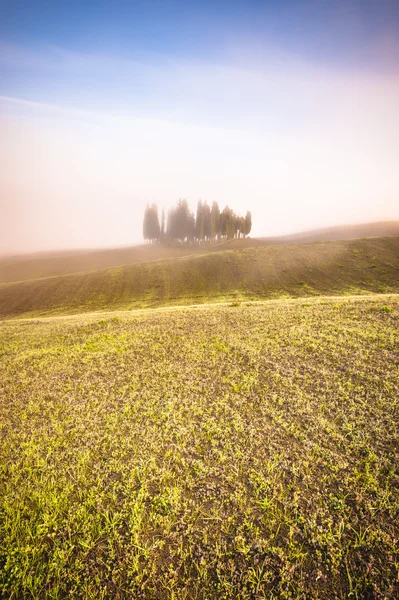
point(299, 145)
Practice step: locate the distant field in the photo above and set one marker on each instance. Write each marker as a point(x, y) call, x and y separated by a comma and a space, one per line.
point(51, 264)
point(214, 452)
point(343, 232)
point(301, 270)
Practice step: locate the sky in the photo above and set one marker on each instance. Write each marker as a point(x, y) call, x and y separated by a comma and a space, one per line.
point(286, 108)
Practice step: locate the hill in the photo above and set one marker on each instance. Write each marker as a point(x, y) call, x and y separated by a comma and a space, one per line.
point(342, 232)
point(336, 233)
point(51, 264)
point(217, 452)
point(325, 268)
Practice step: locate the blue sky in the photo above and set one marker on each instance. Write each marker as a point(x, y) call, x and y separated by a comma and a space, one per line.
point(113, 104)
point(40, 39)
point(338, 31)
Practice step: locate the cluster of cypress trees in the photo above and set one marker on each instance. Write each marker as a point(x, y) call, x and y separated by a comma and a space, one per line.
point(209, 224)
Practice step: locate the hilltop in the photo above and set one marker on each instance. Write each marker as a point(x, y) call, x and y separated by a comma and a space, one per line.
point(294, 270)
point(51, 264)
point(327, 234)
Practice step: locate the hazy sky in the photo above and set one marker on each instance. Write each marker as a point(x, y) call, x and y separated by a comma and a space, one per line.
point(288, 108)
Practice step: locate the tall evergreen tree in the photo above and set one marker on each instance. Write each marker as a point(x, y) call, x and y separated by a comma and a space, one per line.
point(154, 228)
point(248, 223)
point(215, 221)
point(199, 222)
point(242, 226)
point(207, 220)
point(224, 222)
point(227, 225)
point(146, 223)
point(182, 220)
point(191, 226)
point(237, 226)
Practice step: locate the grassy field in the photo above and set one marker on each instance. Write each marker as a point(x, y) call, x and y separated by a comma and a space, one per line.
point(247, 451)
point(301, 270)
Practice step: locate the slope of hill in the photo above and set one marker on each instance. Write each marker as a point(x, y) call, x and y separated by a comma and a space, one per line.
point(358, 266)
point(51, 264)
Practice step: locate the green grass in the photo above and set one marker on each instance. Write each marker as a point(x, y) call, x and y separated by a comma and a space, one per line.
point(246, 451)
point(303, 270)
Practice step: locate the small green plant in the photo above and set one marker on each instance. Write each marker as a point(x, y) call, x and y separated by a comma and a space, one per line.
point(386, 309)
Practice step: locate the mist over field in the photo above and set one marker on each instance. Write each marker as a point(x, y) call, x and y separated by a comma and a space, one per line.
point(246, 114)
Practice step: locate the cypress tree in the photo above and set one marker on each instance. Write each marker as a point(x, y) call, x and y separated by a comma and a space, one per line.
point(146, 223)
point(242, 226)
point(199, 222)
point(154, 228)
point(215, 221)
point(237, 226)
point(207, 221)
point(248, 223)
